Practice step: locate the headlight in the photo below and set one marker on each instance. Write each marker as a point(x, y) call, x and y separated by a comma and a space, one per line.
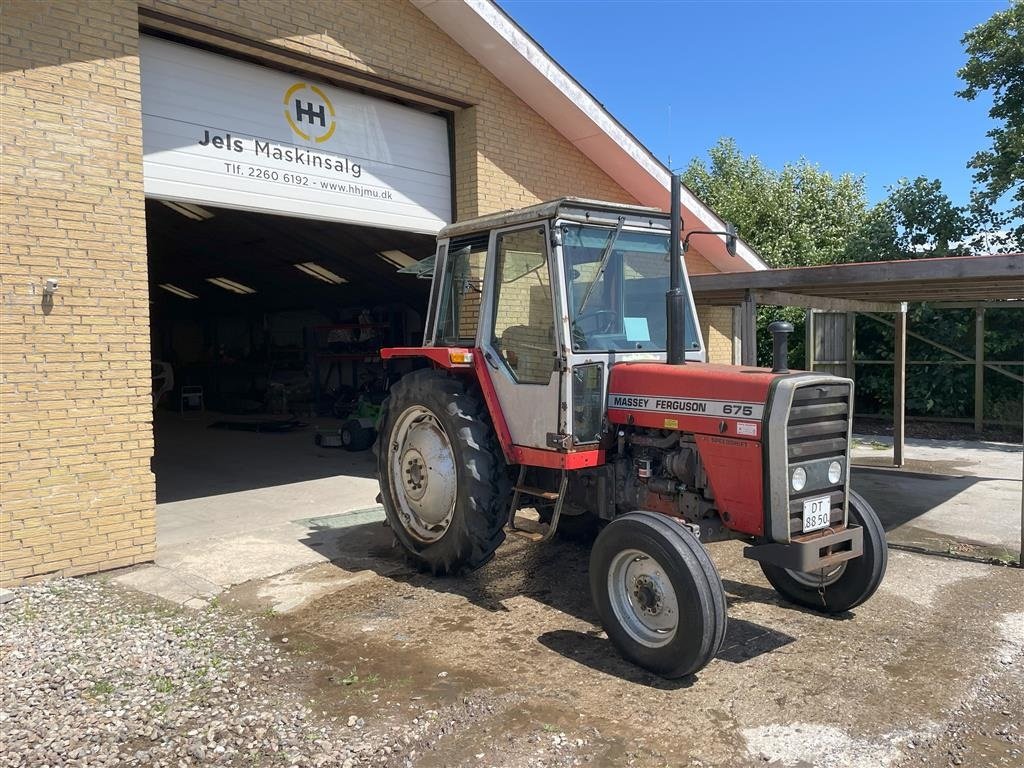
point(799, 478)
point(835, 472)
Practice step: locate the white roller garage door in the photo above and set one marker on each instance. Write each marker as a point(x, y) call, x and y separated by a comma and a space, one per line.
point(225, 132)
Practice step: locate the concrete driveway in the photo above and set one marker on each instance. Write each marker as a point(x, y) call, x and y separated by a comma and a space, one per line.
point(951, 496)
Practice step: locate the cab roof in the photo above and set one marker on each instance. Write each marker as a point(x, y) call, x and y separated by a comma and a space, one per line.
point(562, 207)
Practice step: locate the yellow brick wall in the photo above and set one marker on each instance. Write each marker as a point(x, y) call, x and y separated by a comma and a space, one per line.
point(716, 327)
point(76, 492)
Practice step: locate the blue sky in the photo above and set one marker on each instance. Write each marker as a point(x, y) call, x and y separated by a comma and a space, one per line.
point(865, 87)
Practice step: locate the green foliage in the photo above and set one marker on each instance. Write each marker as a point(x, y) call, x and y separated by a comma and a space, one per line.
point(799, 216)
point(942, 389)
point(916, 220)
point(803, 216)
point(995, 63)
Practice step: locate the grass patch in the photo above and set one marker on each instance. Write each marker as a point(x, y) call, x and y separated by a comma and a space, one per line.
point(102, 688)
point(162, 684)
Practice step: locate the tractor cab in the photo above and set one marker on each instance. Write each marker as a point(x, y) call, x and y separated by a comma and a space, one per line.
point(554, 295)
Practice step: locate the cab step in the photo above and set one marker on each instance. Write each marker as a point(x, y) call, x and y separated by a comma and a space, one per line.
point(550, 496)
point(539, 493)
point(534, 537)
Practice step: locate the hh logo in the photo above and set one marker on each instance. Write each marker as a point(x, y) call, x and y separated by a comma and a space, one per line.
point(309, 112)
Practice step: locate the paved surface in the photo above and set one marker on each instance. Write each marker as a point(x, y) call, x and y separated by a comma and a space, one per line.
point(230, 505)
point(951, 496)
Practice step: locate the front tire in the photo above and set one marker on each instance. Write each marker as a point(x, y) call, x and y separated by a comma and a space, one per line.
point(443, 478)
point(848, 585)
point(658, 594)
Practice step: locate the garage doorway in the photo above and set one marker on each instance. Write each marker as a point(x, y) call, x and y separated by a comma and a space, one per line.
point(266, 333)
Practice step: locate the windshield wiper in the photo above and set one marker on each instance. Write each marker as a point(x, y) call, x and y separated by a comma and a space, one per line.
point(605, 255)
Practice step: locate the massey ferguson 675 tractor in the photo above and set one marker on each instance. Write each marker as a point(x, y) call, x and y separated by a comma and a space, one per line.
point(561, 371)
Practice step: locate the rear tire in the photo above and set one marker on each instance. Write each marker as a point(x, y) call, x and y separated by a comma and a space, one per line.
point(854, 582)
point(658, 594)
point(443, 478)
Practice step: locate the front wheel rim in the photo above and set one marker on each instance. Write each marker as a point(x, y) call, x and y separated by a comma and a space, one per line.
point(642, 598)
point(423, 476)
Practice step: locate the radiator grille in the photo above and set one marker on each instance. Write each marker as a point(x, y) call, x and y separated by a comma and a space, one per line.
point(818, 429)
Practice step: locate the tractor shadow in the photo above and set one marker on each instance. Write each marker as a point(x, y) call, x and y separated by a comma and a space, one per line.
point(554, 574)
point(741, 592)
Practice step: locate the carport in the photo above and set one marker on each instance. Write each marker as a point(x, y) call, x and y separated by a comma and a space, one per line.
point(875, 288)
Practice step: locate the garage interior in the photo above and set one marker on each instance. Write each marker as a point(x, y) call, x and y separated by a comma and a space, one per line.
point(266, 333)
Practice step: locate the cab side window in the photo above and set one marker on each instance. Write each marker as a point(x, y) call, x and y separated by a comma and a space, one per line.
point(459, 312)
point(524, 318)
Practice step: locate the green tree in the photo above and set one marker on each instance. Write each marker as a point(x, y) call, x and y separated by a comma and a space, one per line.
point(916, 220)
point(794, 217)
point(995, 63)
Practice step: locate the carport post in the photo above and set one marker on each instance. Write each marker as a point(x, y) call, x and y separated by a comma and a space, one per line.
point(979, 369)
point(899, 388)
point(748, 344)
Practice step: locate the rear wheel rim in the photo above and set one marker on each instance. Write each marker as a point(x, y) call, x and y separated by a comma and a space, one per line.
point(423, 476)
point(824, 577)
point(642, 598)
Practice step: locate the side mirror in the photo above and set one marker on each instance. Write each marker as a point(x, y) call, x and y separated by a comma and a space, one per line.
point(730, 238)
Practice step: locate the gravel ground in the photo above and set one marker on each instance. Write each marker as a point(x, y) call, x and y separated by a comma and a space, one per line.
point(96, 675)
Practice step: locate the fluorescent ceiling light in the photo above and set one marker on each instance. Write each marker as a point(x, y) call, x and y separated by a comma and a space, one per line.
point(397, 259)
point(230, 285)
point(320, 273)
point(188, 210)
point(170, 288)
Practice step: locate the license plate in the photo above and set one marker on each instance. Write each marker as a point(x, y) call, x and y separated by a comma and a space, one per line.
point(817, 513)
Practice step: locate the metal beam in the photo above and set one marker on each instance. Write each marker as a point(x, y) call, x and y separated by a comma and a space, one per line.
point(899, 390)
point(1005, 271)
point(1006, 304)
point(749, 330)
point(826, 303)
point(851, 343)
point(809, 340)
point(979, 370)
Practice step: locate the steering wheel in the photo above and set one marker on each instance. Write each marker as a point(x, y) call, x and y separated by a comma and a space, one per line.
point(603, 320)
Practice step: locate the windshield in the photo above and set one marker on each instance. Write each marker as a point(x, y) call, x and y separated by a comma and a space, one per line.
point(625, 303)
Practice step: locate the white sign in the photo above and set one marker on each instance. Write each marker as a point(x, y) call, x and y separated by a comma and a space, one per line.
point(225, 132)
point(686, 406)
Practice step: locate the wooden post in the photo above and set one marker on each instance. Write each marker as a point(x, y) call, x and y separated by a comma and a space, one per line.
point(899, 389)
point(749, 331)
point(979, 369)
point(737, 335)
point(851, 342)
point(809, 339)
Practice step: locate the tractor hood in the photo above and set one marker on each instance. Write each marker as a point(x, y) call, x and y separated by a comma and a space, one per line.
point(704, 398)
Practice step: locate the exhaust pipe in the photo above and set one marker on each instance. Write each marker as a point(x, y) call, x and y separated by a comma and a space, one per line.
point(780, 331)
point(675, 299)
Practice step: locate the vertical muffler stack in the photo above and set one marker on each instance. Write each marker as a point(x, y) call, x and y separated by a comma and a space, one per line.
point(780, 331)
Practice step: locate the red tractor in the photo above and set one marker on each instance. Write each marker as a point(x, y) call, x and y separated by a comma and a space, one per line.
point(562, 371)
